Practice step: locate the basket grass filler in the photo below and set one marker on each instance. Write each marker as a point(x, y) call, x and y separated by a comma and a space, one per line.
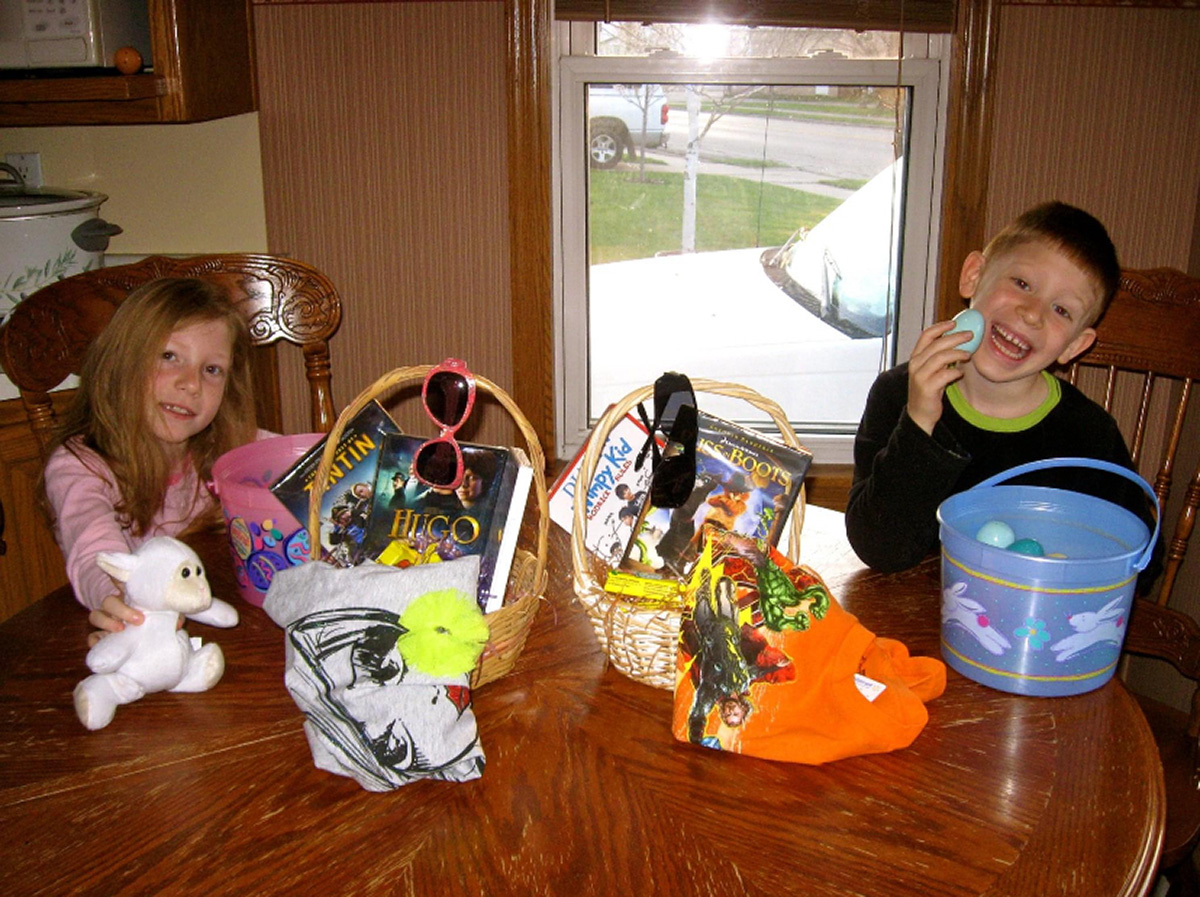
point(641, 639)
point(509, 625)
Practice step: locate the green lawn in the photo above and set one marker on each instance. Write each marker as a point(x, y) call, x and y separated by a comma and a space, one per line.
point(630, 219)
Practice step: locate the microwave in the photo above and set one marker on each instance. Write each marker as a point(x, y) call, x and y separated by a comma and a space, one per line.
point(42, 34)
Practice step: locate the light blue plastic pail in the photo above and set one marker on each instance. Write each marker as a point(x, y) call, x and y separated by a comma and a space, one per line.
point(1049, 625)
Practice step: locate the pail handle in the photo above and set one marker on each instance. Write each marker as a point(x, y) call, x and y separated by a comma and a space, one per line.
point(1096, 464)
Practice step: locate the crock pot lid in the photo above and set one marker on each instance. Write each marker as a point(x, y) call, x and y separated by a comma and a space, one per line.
point(45, 200)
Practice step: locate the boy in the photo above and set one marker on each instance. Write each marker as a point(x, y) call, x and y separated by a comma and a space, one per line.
point(945, 420)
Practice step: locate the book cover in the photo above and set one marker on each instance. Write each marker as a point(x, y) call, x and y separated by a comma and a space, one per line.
point(346, 503)
point(746, 483)
point(615, 495)
point(412, 523)
point(513, 494)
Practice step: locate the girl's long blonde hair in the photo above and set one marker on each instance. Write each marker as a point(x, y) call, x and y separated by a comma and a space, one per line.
point(109, 411)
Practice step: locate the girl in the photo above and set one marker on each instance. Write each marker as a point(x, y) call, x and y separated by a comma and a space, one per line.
point(164, 391)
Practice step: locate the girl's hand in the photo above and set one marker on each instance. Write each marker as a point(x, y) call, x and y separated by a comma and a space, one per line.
point(931, 368)
point(111, 616)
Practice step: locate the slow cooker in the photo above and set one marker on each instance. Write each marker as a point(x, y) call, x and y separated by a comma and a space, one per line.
point(46, 234)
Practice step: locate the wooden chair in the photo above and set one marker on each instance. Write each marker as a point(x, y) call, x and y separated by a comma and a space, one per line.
point(45, 337)
point(1152, 329)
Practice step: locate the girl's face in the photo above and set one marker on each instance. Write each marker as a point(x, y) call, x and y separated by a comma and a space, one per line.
point(187, 383)
point(470, 488)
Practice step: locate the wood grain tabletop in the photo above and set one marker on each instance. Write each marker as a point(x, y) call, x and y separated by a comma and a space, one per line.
point(584, 792)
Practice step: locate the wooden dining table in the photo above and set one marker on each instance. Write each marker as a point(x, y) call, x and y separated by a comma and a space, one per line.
point(585, 792)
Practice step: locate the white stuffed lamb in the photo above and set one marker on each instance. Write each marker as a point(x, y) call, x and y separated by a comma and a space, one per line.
point(163, 578)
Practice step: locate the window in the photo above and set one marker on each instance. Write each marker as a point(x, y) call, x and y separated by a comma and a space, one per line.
point(753, 205)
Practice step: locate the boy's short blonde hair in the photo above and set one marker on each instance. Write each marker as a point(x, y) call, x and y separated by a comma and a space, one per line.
point(1075, 233)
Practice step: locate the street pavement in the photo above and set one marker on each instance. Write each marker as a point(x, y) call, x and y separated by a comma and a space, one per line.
point(666, 158)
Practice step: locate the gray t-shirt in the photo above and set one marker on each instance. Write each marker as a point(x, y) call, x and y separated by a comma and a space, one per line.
point(369, 713)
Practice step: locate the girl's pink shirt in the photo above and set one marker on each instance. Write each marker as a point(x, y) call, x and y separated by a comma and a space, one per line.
point(83, 495)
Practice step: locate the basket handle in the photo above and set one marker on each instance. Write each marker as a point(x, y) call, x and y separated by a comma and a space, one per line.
point(584, 582)
point(415, 374)
point(1095, 464)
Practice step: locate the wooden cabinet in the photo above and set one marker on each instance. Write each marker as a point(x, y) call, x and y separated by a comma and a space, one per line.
point(828, 485)
point(202, 68)
point(31, 565)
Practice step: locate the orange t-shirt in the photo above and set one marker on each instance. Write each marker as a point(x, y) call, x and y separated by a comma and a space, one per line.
point(769, 664)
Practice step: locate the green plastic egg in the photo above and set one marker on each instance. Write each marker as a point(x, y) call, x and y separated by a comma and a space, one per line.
point(1031, 547)
point(996, 532)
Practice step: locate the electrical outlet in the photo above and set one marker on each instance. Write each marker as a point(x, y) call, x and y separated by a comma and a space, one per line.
point(29, 165)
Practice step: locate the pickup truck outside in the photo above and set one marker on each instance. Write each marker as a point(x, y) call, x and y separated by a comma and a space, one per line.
point(623, 117)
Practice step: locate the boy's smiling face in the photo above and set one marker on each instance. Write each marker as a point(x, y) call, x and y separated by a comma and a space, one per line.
point(1037, 306)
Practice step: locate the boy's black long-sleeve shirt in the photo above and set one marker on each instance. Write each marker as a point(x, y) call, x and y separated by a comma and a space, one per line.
point(902, 474)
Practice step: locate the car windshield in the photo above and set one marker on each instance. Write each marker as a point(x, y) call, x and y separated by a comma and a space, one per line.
point(806, 321)
point(845, 269)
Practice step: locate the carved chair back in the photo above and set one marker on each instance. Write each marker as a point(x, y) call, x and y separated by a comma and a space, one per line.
point(1152, 331)
point(1147, 353)
point(44, 339)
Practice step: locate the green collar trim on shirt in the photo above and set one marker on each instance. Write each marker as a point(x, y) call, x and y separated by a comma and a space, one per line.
point(1007, 424)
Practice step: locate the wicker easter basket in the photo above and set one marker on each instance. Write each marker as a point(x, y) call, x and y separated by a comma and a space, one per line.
point(640, 640)
point(509, 626)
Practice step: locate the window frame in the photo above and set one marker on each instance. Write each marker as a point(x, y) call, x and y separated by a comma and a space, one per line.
point(925, 68)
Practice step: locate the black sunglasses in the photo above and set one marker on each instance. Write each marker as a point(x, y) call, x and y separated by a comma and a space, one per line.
point(674, 470)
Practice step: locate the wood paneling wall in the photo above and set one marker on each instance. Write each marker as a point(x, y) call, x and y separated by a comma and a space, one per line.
point(1100, 107)
point(384, 139)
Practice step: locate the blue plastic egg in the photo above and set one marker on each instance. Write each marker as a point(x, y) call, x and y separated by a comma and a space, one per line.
point(969, 321)
point(996, 532)
point(1031, 547)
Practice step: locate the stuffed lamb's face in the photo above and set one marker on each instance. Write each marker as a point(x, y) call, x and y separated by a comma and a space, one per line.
point(163, 574)
point(187, 590)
